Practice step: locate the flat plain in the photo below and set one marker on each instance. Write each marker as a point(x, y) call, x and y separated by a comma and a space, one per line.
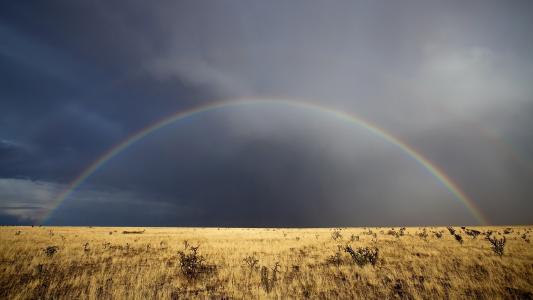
point(243, 263)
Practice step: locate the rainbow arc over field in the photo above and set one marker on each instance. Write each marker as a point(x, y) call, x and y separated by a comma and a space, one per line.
point(432, 168)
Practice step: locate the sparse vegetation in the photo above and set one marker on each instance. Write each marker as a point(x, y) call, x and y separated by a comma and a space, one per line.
point(472, 232)
point(336, 235)
point(133, 231)
point(525, 238)
point(363, 255)
point(451, 230)
point(402, 231)
point(335, 259)
point(51, 250)
point(251, 262)
point(192, 264)
point(458, 238)
point(423, 234)
point(497, 245)
point(269, 277)
point(395, 233)
point(167, 263)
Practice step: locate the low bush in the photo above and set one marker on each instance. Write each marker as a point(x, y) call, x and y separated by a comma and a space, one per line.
point(363, 255)
point(497, 245)
point(51, 250)
point(192, 264)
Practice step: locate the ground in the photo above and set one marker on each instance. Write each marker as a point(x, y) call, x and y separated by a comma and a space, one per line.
point(325, 263)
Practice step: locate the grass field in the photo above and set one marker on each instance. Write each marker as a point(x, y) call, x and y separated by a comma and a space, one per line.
point(175, 263)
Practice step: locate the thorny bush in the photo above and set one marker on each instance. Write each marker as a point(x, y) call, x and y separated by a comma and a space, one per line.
point(451, 230)
point(268, 281)
point(497, 245)
point(472, 232)
point(458, 238)
point(335, 235)
point(192, 264)
point(363, 255)
point(251, 262)
point(51, 250)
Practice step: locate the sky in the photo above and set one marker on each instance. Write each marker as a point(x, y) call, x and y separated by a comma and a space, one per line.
point(452, 80)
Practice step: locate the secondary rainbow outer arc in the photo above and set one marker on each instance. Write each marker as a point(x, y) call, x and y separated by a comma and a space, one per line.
point(350, 118)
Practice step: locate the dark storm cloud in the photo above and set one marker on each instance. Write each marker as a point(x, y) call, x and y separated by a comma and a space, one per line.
point(306, 171)
point(451, 78)
point(71, 91)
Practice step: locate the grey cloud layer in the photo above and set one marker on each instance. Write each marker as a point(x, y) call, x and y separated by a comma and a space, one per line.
point(450, 78)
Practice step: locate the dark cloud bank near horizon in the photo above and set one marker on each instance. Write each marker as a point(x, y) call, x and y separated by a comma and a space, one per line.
point(450, 78)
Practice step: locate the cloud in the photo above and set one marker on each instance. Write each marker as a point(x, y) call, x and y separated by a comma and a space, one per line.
point(28, 202)
point(469, 81)
point(10, 150)
point(25, 199)
point(199, 72)
point(450, 79)
point(307, 165)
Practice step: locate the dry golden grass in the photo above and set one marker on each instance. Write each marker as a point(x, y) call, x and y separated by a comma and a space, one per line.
point(144, 263)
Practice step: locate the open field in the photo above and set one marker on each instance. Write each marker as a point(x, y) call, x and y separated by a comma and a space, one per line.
point(146, 263)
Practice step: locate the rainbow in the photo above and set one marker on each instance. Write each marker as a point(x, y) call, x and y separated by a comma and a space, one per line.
point(434, 170)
